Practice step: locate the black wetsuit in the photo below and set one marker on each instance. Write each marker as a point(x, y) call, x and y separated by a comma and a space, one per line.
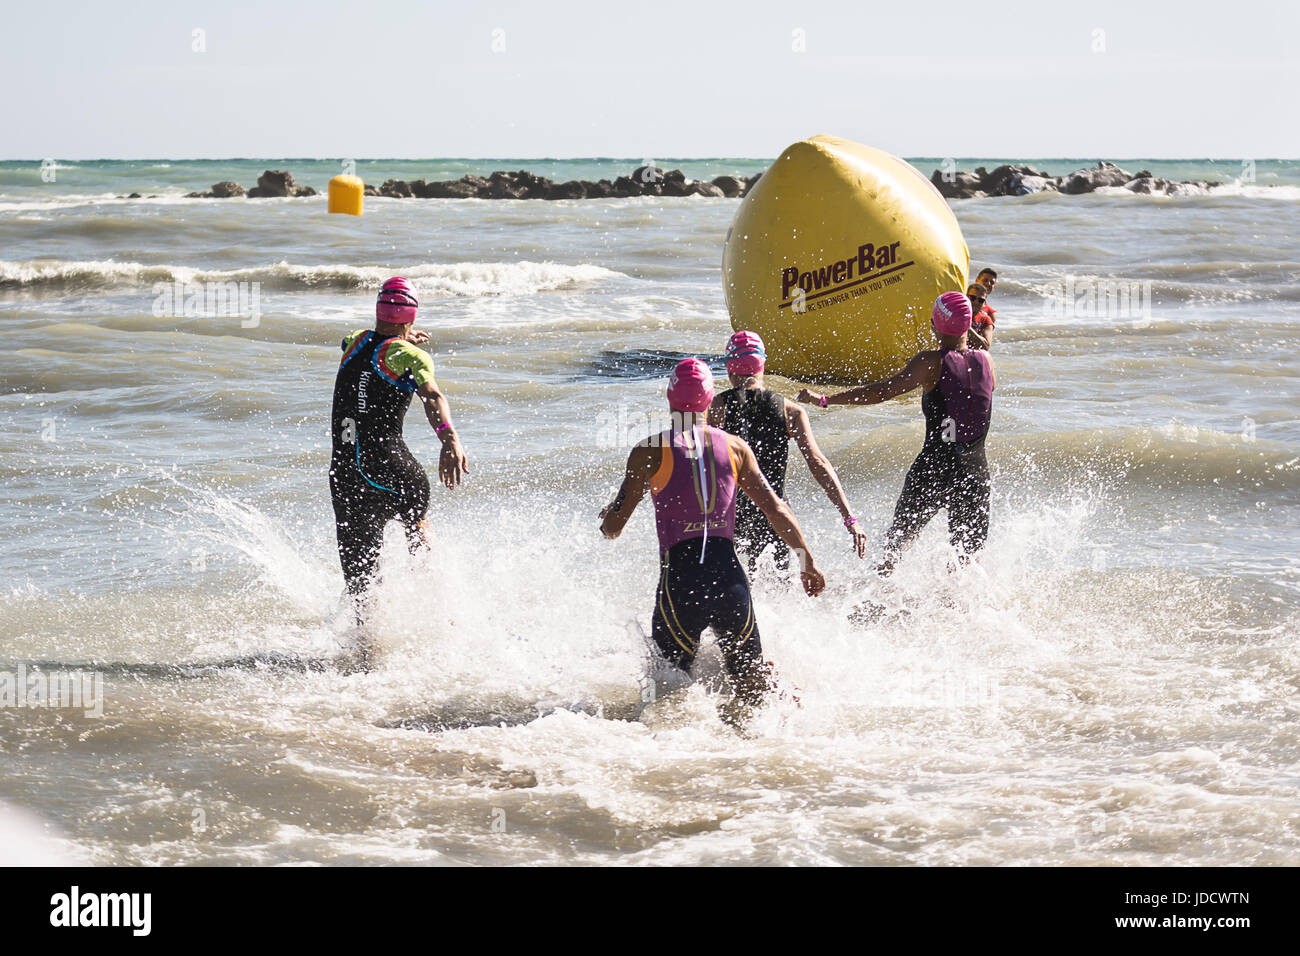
point(374, 478)
point(694, 596)
point(758, 416)
point(951, 471)
point(701, 582)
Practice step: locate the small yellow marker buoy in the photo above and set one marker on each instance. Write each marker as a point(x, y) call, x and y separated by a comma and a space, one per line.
point(347, 195)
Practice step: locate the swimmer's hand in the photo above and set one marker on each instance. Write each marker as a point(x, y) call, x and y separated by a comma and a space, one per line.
point(452, 463)
point(606, 528)
point(859, 541)
point(813, 581)
point(419, 337)
point(808, 397)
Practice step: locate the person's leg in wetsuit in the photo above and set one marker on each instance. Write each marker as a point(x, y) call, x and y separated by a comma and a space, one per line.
point(922, 496)
point(694, 596)
point(968, 505)
point(952, 479)
point(362, 512)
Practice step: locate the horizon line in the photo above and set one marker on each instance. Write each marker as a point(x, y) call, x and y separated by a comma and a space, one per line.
point(566, 159)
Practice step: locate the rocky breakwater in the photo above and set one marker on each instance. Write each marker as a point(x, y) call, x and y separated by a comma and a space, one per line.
point(274, 183)
point(1016, 180)
point(642, 181)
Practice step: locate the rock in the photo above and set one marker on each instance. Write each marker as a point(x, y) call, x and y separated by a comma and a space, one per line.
point(226, 189)
point(517, 185)
point(1027, 185)
point(731, 186)
point(1197, 187)
point(274, 183)
point(370, 190)
point(673, 187)
point(1094, 177)
point(538, 186)
point(1146, 184)
point(675, 176)
point(626, 186)
point(647, 175)
point(507, 186)
point(750, 185)
point(600, 190)
point(958, 185)
point(134, 196)
point(573, 189)
point(1000, 181)
point(196, 196)
point(1149, 185)
point(396, 189)
point(455, 189)
point(304, 191)
point(700, 188)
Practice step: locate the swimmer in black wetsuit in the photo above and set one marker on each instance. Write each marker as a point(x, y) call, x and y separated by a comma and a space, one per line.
point(374, 478)
point(951, 471)
point(769, 421)
point(694, 474)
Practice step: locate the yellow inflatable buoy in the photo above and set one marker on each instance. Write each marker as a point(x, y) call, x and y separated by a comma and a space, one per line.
point(347, 195)
point(835, 258)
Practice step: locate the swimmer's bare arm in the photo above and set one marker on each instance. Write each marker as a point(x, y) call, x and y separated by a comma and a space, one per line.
point(921, 371)
point(778, 514)
point(980, 340)
point(452, 463)
point(641, 464)
point(799, 428)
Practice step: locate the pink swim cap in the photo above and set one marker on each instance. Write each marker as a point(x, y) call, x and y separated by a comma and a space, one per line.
point(951, 314)
point(691, 387)
point(745, 354)
point(397, 302)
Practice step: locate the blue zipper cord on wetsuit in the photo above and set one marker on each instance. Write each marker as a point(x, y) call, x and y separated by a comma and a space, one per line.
point(373, 484)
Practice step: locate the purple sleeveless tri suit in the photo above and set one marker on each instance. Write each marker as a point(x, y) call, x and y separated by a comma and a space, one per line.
point(951, 471)
point(701, 582)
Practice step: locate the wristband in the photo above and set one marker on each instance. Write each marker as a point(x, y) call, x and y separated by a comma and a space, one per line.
point(441, 428)
point(850, 521)
point(823, 401)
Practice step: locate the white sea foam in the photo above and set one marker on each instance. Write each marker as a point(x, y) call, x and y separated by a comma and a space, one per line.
point(435, 280)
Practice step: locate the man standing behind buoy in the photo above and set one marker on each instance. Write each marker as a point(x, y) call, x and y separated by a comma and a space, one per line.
point(374, 478)
point(985, 317)
point(951, 471)
point(768, 421)
point(693, 472)
point(979, 336)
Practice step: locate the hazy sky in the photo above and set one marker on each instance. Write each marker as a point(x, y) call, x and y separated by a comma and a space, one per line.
point(623, 78)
